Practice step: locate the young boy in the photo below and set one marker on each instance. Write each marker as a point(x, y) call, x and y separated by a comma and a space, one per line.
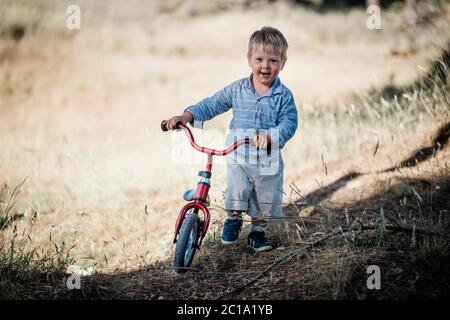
point(264, 110)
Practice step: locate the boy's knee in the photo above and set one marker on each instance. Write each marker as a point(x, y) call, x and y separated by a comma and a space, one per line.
point(239, 191)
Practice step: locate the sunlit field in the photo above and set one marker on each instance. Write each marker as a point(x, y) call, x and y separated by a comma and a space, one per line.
point(80, 110)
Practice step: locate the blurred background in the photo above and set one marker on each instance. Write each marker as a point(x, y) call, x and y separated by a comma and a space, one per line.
point(81, 151)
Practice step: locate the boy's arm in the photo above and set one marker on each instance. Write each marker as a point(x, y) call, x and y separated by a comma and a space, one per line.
point(287, 123)
point(212, 106)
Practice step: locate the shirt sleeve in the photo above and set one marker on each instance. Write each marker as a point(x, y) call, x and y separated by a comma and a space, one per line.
point(212, 106)
point(287, 122)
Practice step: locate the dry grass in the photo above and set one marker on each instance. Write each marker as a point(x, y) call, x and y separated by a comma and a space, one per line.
point(80, 113)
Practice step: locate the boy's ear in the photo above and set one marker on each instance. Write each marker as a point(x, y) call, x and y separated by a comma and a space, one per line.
point(282, 64)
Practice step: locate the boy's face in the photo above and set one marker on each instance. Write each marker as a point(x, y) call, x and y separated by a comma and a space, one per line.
point(265, 66)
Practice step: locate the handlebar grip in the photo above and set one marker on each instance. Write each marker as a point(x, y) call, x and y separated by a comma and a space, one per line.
point(163, 126)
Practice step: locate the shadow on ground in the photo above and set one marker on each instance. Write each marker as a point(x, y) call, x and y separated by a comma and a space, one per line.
point(439, 141)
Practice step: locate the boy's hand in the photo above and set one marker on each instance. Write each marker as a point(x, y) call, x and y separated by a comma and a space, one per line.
point(261, 140)
point(186, 117)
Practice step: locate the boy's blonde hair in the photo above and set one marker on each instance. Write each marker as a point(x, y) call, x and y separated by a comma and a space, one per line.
point(270, 39)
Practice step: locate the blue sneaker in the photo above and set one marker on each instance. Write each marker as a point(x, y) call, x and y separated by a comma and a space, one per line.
point(257, 241)
point(231, 230)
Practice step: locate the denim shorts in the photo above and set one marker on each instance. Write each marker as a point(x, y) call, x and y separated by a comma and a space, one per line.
point(251, 189)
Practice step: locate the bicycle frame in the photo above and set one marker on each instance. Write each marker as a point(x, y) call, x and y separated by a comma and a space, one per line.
point(201, 194)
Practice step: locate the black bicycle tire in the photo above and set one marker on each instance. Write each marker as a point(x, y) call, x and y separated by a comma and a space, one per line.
point(191, 221)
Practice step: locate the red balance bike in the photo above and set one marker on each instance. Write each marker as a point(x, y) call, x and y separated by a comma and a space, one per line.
point(190, 228)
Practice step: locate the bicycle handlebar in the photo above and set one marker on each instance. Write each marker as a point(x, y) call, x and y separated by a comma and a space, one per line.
point(213, 152)
point(163, 126)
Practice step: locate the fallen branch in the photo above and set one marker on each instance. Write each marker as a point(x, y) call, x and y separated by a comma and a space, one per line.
point(279, 260)
point(338, 231)
point(405, 229)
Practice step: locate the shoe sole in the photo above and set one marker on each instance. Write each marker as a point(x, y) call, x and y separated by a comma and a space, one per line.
point(266, 248)
point(227, 243)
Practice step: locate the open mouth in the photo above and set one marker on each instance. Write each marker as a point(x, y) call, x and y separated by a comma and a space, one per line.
point(265, 74)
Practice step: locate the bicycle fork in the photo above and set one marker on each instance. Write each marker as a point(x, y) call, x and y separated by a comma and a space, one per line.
point(198, 203)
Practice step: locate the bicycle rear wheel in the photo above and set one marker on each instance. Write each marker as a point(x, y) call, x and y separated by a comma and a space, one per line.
point(186, 243)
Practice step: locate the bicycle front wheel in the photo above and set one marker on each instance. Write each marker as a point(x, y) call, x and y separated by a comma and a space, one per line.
point(186, 243)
